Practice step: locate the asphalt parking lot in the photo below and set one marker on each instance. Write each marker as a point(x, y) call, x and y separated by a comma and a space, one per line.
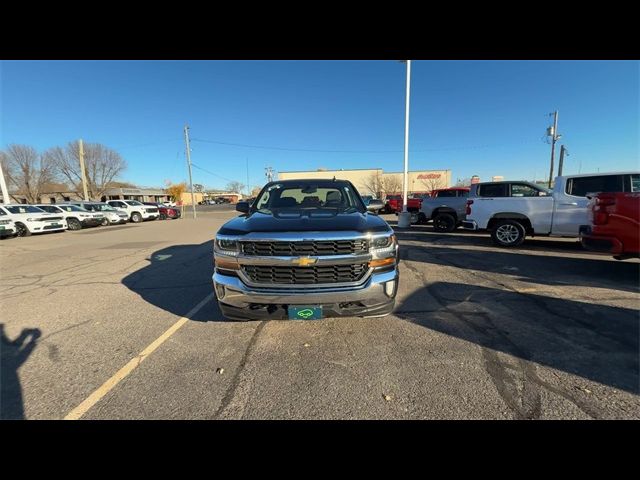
point(120, 323)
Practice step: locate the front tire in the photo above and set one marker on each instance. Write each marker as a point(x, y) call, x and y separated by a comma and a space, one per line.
point(508, 233)
point(22, 230)
point(105, 222)
point(163, 216)
point(74, 224)
point(444, 223)
point(136, 217)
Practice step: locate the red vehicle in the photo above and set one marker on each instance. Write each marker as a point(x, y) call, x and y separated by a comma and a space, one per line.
point(393, 203)
point(615, 225)
point(164, 211)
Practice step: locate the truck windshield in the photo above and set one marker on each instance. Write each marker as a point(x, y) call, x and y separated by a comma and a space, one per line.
point(330, 196)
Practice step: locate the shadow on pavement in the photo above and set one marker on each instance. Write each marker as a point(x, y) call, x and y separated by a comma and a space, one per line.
point(596, 342)
point(176, 279)
point(13, 353)
point(459, 236)
point(596, 271)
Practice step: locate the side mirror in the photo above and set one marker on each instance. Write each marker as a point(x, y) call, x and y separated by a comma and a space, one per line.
point(242, 207)
point(375, 206)
point(542, 194)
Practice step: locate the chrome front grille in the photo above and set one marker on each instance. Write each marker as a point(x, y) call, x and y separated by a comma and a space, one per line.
point(312, 248)
point(305, 275)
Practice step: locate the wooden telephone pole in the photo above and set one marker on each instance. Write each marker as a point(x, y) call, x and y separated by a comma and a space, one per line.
point(188, 148)
point(83, 171)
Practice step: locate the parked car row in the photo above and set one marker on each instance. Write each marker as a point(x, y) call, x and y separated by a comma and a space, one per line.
point(215, 201)
point(23, 220)
point(510, 211)
point(602, 209)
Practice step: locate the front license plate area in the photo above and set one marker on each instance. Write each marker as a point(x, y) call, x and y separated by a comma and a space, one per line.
point(303, 312)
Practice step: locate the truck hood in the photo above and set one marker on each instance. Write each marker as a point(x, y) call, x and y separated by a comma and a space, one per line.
point(304, 222)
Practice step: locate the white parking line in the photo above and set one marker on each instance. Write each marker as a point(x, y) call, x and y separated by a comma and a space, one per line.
point(107, 386)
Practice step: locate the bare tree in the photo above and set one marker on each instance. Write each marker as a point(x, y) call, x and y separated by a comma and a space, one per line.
point(390, 184)
point(464, 182)
point(28, 171)
point(235, 187)
point(432, 183)
point(373, 184)
point(382, 185)
point(102, 166)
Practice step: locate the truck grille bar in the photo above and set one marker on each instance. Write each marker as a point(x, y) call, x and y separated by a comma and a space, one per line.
point(313, 248)
point(305, 275)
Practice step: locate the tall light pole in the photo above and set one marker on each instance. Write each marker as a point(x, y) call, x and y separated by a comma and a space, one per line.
point(3, 187)
point(553, 131)
point(404, 218)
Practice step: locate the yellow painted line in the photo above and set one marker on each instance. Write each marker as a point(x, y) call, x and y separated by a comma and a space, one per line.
point(107, 386)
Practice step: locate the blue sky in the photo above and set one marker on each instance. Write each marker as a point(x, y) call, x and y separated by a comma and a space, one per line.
point(474, 117)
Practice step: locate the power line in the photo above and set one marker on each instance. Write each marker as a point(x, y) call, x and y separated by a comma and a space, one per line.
point(126, 147)
point(263, 147)
point(211, 173)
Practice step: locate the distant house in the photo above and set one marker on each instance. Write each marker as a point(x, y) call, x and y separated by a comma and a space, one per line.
point(140, 194)
point(51, 193)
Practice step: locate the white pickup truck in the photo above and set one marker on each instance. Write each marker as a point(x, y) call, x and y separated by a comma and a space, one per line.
point(512, 210)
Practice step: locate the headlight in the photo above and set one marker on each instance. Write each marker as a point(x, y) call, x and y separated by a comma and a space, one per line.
point(84, 215)
point(383, 242)
point(227, 246)
point(32, 219)
point(4, 222)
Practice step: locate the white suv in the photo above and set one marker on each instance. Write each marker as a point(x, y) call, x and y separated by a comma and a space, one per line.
point(29, 219)
point(111, 215)
point(75, 216)
point(7, 226)
point(137, 211)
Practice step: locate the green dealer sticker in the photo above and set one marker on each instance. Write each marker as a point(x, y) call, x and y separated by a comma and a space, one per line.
point(305, 313)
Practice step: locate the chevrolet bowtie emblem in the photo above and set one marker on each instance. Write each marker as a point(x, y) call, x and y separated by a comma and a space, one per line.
point(304, 261)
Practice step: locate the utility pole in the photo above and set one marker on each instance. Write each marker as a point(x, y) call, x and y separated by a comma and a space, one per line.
point(563, 152)
point(269, 174)
point(186, 141)
point(3, 187)
point(553, 131)
point(83, 171)
point(248, 187)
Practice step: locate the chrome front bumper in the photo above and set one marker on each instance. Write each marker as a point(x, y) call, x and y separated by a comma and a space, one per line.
point(377, 290)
